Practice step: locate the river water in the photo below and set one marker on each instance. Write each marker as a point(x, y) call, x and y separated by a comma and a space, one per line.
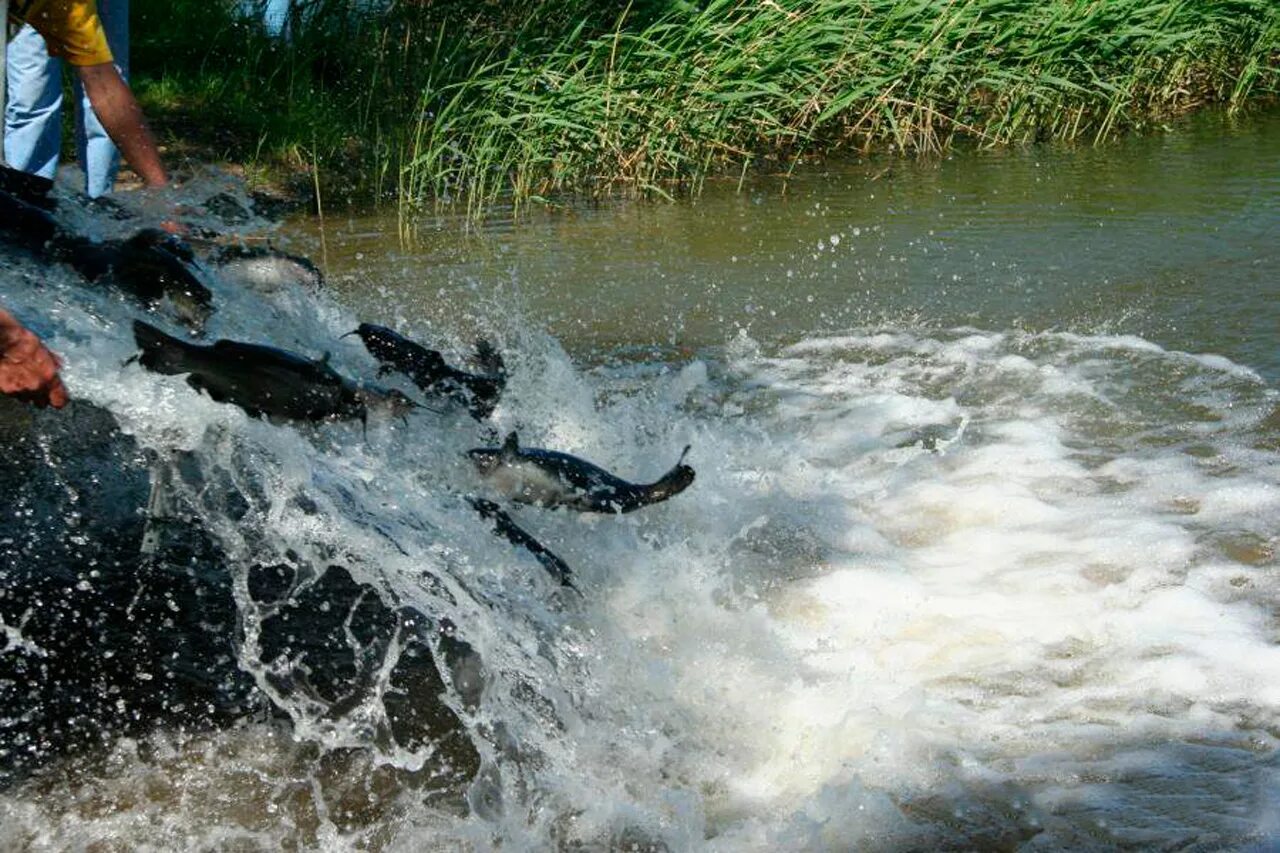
point(981, 552)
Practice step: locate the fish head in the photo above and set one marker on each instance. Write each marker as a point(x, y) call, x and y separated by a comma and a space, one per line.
point(153, 260)
point(158, 240)
point(393, 349)
point(268, 271)
point(390, 347)
point(381, 342)
point(490, 459)
point(386, 400)
point(192, 308)
point(486, 459)
point(160, 352)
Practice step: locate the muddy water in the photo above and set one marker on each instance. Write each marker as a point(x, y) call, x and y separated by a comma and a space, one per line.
point(981, 553)
point(1172, 237)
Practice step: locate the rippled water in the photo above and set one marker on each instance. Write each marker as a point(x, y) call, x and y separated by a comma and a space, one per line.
point(981, 553)
point(1171, 237)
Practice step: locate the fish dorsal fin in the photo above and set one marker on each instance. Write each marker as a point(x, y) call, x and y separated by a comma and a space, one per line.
point(324, 357)
point(512, 444)
point(684, 453)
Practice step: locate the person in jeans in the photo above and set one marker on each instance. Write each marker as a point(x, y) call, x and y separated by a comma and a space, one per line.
point(32, 117)
point(73, 32)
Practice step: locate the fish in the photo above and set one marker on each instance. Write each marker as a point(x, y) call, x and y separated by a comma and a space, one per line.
point(504, 526)
point(26, 223)
point(479, 393)
point(263, 380)
point(151, 266)
point(227, 208)
point(548, 478)
point(31, 188)
point(265, 269)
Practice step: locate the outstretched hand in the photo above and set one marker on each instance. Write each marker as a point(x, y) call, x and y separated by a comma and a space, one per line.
point(28, 370)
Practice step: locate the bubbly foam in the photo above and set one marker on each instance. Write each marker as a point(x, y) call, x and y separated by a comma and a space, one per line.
point(930, 588)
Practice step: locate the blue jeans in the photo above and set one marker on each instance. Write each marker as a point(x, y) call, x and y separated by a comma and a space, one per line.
point(32, 117)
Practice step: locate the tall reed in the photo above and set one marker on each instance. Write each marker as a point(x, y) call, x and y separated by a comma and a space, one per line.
point(765, 82)
point(478, 100)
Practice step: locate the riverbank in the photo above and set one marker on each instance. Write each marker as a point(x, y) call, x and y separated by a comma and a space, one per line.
point(472, 103)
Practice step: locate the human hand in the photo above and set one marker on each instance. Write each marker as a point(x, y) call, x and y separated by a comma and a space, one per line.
point(160, 207)
point(28, 370)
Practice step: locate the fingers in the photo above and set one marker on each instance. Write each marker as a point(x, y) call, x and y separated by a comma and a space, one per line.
point(57, 395)
point(54, 395)
point(29, 371)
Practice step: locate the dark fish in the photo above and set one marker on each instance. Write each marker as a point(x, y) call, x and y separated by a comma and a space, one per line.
point(151, 266)
point(29, 225)
point(551, 479)
point(428, 370)
point(503, 526)
point(228, 209)
point(32, 189)
point(265, 269)
point(263, 380)
point(932, 437)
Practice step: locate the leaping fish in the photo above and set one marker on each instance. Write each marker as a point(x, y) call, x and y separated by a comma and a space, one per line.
point(428, 370)
point(264, 380)
point(150, 265)
point(504, 526)
point(549, 478)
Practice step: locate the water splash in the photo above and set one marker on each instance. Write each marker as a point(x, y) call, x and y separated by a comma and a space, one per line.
point(933, 587)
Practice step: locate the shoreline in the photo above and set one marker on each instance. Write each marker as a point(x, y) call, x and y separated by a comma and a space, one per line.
point(468, 106)
point(281, 189)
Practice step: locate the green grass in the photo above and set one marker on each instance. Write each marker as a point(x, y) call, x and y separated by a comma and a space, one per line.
point(477, 102)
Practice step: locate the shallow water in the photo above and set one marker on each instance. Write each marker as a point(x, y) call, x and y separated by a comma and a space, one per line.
point(1171, 237)
point(981, 553)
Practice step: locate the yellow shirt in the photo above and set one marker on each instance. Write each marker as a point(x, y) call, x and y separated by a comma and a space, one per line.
point(71, 28)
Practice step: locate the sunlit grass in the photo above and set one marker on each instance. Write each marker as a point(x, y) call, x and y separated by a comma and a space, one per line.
point(765, 83)
point(463, 101)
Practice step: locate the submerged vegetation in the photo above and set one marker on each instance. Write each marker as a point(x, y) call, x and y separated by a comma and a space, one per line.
point(489, 99)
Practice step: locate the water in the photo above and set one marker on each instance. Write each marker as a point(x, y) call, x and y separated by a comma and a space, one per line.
point(981, 553)
point(1170, 237)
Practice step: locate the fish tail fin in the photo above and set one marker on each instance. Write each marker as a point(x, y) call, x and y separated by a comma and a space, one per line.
point(672, 483)
point(161, 352)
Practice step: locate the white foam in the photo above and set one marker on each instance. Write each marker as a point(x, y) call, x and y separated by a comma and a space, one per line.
point(836, 638)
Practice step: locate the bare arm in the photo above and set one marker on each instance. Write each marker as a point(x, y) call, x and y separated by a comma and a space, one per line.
point(121, 117)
